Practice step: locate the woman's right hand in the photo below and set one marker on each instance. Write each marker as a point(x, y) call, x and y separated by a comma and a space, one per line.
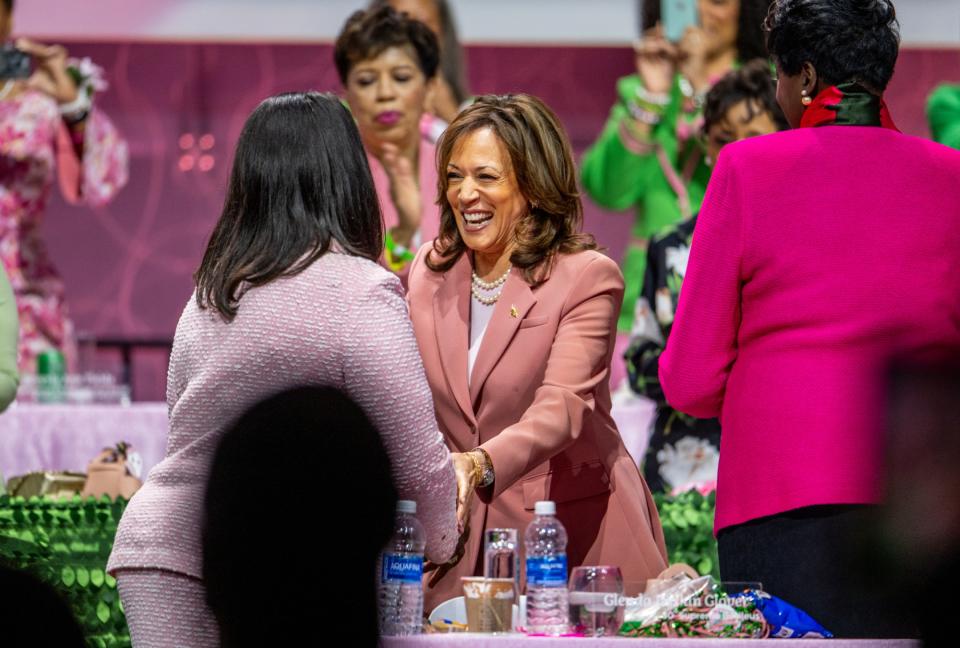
point(51, 76)
point(656, 60)
point(465, 469)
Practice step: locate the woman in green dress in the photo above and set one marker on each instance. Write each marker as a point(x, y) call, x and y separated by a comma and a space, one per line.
point(649, 155)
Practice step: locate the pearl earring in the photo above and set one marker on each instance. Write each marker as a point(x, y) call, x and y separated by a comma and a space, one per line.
point(805, 98)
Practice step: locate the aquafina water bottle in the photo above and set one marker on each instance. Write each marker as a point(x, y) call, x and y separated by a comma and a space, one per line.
point(401, 569)
point(546, 544)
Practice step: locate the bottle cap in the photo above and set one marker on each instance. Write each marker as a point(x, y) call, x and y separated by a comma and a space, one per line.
point(545, 508)
point(406, 506)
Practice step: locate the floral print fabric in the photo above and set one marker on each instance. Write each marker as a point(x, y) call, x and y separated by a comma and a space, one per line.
point(684, 452)
point(30, 142)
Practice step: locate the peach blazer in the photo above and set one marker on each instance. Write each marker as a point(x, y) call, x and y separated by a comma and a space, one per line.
point(539, 404)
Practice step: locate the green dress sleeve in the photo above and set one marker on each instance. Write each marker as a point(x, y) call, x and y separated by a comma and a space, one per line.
point(9, 335)
point(943, 112)
point(614, 176)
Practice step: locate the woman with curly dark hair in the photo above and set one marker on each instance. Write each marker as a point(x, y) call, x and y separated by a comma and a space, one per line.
point(820, 253)
point(515, 315)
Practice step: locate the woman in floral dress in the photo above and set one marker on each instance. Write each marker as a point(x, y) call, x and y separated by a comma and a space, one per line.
point(48, 126)
point(684, 451)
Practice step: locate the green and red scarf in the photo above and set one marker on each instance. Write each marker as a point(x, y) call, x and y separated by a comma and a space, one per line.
point(847, 104)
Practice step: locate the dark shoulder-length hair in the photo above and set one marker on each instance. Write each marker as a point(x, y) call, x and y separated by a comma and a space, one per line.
point(541, 159)
point(845, 40)
point(752, 83)
point(750, 43)
point(300, 181)
point(366, 34)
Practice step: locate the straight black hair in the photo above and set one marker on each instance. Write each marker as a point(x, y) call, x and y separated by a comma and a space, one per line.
point(300, 182)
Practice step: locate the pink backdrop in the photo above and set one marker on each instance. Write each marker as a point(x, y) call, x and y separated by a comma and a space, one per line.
point(128, 265)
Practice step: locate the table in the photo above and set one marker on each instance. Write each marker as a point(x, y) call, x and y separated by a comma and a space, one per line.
point(37, 437)
point(467, 640)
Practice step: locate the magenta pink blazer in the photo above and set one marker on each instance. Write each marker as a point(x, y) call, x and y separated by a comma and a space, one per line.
point(819, 253)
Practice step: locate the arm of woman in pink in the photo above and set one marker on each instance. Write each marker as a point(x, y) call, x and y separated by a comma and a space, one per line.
point(578, 363)
point(703, 341)
point(92, 160)
point(91, 155)
point(384, 375)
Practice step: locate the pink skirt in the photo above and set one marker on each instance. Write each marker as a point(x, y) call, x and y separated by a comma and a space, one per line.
point(165, 608)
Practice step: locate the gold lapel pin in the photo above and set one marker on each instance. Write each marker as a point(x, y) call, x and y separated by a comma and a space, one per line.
point(513, 311)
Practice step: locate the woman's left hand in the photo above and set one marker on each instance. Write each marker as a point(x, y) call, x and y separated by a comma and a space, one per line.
point(465, 468)
point(404, 193)
point(51, 76)
point(693, 58)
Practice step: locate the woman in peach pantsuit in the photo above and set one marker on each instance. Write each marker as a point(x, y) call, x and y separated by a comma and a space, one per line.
point(515, 315)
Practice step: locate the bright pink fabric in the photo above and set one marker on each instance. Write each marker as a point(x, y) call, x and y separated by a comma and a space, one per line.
point(819, 253)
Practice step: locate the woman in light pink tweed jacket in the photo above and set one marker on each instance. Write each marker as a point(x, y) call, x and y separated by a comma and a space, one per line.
point(289, 293)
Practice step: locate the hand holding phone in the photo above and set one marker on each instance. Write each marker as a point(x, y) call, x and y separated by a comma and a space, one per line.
point(51, 76)
point(14, 63)
point(656, 60)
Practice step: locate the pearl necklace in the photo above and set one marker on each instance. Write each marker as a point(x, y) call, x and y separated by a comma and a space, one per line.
point(480, 283)
point(477, 285)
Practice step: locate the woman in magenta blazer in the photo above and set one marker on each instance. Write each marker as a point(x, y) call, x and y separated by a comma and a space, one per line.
point(819, 253)
point(515, 315)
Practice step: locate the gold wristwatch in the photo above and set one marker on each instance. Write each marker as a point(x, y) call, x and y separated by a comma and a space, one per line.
point(485, 474)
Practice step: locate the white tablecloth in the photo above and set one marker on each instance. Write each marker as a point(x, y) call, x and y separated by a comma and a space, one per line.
point(66, 437)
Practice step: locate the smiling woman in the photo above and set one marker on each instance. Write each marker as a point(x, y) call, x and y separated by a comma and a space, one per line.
point(387, 63)
point(515, 311)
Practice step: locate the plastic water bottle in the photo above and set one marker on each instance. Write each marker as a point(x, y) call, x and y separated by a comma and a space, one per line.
point(546, 543)
point(401, 570)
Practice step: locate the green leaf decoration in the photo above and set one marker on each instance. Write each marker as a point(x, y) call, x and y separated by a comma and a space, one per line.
point(705, 566)
point(66, 543)
point(687, 520)
point(103, 612)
